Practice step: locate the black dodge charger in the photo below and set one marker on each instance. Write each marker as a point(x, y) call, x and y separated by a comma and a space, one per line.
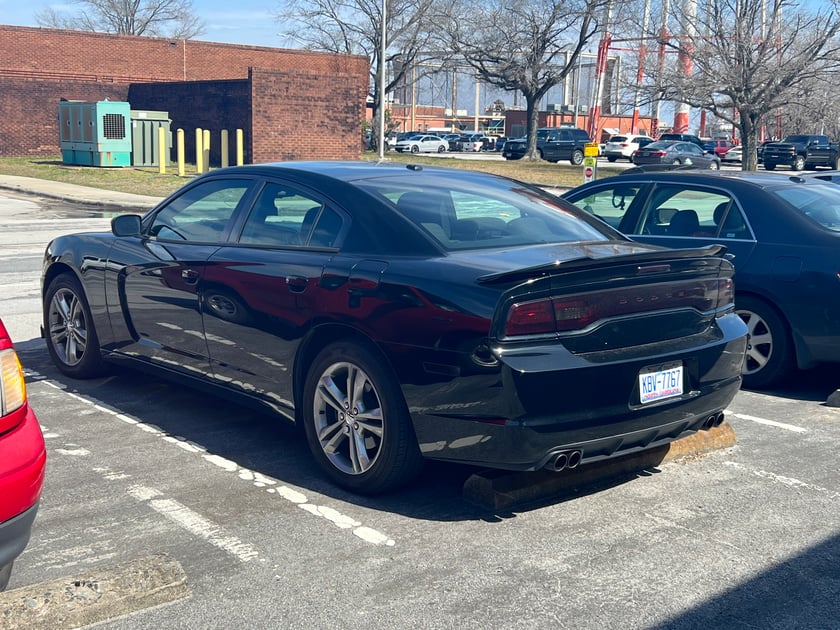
point(399, 313)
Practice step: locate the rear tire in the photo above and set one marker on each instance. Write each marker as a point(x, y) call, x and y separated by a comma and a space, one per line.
point(769, 348)
point(72, 341)
point(357, 423)
point(577, 157)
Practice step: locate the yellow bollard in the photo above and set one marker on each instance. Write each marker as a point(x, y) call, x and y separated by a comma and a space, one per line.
point(224, 149)
point(240, 148)
point(180, 150)
point(199, 151)
point(162, 157)
point(206, 150)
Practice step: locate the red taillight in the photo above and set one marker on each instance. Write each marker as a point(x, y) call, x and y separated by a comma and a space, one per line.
point(657, 153)
point(530, 318)
point(568, 313)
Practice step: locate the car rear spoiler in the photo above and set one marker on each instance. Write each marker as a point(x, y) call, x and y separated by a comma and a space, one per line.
point(603, 262)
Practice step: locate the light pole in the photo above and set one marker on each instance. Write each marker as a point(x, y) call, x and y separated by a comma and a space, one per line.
point(382, 86)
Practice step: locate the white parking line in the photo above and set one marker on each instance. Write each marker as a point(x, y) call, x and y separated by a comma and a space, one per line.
point(193, 522)
point(367, 534)
point(772, 423)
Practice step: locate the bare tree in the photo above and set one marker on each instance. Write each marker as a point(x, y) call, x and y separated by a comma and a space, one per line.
point(161, 18)
point(750, 58)
point(525, 45)
point(355, 27)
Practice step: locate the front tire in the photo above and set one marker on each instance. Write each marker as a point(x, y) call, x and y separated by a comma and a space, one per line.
point(356, 421)
point(798, 163)
point(714, 166)
point(769, 349)
point(415, 149)
point(72, 341)
point(769, 166)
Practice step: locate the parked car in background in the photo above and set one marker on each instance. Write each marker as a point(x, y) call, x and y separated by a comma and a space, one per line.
point(784, 233)
point(801, 151)
point(718, 147)
point(473, 142)
point(399, 313)
point(676, 153)
point(735, 154)
point(451, 138)
point(500, 143)
point(553, 144)
point(622, 146)
point(682, 137)
point(23, 459)
point(422, 143)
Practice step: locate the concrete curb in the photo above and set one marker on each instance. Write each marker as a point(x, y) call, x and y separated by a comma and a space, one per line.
point(78, 194)
point(72, 602)
point(500, 490)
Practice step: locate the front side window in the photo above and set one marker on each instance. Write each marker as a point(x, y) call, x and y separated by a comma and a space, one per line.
point(610, 204)
point(202, 214)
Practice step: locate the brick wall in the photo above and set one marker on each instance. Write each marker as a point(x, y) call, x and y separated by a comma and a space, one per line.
point(294, 93)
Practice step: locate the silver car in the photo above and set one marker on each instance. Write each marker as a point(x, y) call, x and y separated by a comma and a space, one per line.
point(422, 143)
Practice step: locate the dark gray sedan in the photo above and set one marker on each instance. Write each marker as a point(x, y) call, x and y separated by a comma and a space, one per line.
point(675, 152)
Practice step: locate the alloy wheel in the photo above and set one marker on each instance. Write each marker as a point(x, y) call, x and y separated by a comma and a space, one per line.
point(760, 347)
point(68, 328)
point(348, 418)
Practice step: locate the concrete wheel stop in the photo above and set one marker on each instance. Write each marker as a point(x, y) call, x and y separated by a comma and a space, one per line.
point(95, 596)
point(499, 489)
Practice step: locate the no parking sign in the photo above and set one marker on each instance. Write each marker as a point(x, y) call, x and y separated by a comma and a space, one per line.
point(589, 169)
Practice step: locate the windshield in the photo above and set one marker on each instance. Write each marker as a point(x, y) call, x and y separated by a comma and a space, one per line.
point(462, 212)
point(820, 202)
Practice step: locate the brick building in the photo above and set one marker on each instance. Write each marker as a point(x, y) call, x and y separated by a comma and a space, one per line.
point(291, 104)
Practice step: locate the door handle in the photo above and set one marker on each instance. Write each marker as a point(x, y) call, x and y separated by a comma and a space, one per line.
point(190, 276)
point(296, 284)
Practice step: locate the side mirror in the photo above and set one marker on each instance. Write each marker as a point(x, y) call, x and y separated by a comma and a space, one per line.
point(126, 225)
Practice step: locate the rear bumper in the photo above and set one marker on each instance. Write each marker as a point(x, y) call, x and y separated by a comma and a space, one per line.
point(22, 463)
point(14, 534)
point(519, 419)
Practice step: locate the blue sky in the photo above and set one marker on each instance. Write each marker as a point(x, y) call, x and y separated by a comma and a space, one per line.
point(241, 22)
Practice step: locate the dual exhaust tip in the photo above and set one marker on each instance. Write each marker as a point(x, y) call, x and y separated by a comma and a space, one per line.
point(715, 420)
point(564, 459)
point(571, 459)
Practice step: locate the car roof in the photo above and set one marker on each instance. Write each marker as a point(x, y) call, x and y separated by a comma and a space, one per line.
point(704, 176)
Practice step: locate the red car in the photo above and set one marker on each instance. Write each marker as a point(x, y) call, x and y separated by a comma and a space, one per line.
point(719, 147)
point(22, 460)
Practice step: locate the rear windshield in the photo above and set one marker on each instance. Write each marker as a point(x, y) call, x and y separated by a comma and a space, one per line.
point(460, 213)
point(819, 202)
point(618, 139)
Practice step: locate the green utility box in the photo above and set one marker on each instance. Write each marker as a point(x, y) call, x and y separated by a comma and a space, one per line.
point(145, 139)
point(94, 134)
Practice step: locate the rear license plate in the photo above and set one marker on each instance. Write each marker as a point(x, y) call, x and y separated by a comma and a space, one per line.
point(661, 384)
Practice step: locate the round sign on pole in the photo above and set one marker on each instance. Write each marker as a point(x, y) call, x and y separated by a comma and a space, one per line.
point(588, 174)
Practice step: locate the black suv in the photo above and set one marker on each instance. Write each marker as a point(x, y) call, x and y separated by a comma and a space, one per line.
point(553, 144)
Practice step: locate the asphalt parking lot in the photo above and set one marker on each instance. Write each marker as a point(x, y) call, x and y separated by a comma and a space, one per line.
point(165, 507)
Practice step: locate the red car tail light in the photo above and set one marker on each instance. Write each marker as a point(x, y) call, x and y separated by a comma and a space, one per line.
point(575, 312)
point(657, 153)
